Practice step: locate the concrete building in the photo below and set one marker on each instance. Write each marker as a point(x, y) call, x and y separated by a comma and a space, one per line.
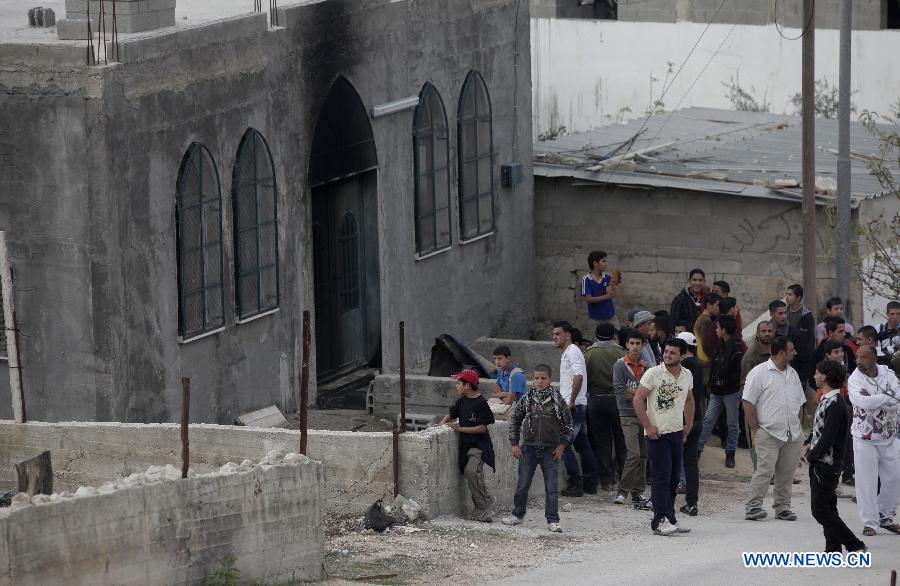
point(673, 54)
point(867, 14)
point(172, 210)
point(714, 189)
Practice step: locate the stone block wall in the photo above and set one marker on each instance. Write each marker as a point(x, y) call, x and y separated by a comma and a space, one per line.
point(173, 532)
point(656, 236)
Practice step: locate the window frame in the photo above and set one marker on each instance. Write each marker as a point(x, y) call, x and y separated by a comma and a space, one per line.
point(249, 146)
point(199, 152)
point(463, 118)
point(431, 134)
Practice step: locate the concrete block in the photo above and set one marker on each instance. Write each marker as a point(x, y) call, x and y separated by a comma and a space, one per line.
point(74, 29)
point(269, 416)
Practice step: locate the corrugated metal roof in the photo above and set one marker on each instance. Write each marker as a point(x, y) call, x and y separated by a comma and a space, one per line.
point(708, 149)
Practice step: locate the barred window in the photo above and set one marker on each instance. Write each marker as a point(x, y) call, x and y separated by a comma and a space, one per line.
point(255, 227)
point(476, 145)
point(198, 226)
point(432, 172)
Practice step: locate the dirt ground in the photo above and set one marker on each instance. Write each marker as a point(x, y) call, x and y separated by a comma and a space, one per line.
point(434, 551)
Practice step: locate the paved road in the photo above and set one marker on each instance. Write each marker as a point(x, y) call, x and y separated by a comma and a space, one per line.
point(711, 553)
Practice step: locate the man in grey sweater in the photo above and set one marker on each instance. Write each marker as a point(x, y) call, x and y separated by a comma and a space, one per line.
point(627, 373)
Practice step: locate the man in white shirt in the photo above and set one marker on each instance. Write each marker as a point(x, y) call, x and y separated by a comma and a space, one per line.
point(874, 392)
point(573, 388)
point(664, 405)
point(773, 401)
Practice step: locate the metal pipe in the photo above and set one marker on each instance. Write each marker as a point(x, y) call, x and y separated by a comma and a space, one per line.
point(14, 361)
point(809, 154)
point(843, 162)
point(185, 419)
point(304, 385)
point(402, 380)
point(395, 446)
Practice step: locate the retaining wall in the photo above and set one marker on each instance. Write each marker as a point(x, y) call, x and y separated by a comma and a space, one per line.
point(173, 531)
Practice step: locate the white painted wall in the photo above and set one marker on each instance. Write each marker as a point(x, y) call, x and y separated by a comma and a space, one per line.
point(584, 71)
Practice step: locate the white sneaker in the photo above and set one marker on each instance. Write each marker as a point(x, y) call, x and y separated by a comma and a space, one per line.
point(554, 528)
point(511, 520)
point(665, 528)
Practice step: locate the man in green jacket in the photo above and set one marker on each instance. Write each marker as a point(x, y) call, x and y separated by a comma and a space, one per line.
point(605, 428)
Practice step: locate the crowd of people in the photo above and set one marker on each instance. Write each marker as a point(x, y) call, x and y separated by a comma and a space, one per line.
point(645, 399)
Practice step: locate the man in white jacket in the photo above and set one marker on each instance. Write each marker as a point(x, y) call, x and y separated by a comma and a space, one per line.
point(874, 391)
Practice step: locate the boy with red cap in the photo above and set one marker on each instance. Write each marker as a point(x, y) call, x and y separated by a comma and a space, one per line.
point(473, 415)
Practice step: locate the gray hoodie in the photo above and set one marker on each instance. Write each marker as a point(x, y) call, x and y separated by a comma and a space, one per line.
point(623, 378)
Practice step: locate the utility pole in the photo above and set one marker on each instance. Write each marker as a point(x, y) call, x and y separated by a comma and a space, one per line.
point(809, 154)
point(843, 163)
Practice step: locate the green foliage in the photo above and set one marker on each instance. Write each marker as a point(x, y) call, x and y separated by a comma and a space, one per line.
point(826, 100)
point(228, 575)
point(742, 100)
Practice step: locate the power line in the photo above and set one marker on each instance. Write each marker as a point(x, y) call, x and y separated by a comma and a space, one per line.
point(691, 87)
point(778, 28)
point(659, 101)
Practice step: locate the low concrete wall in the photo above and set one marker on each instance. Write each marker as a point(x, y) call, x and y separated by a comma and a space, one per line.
point(358, 467)
point(425, 395)
point(174, 531)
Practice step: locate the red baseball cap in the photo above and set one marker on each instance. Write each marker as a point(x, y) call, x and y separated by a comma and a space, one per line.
point(467, 376)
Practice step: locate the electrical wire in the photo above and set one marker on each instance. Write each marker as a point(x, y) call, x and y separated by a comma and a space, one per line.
point(668, 86)
point(778, 28)
point(691, 87)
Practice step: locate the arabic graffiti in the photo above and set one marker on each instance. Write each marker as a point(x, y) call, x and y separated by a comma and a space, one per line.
point(769, 234)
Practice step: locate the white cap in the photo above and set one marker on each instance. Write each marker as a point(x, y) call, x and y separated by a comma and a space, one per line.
point(688, 337)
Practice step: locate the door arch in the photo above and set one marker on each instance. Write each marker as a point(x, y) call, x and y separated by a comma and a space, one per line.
point(343, 179)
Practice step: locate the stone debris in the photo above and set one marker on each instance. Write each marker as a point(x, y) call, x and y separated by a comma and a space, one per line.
point(40, 499)
point(273, 457)
point(567, 507)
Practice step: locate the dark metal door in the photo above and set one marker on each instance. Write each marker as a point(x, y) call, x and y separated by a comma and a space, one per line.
point(339, 273)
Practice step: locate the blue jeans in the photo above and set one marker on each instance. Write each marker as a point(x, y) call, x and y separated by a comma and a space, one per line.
point(582, 443)
point(531, 457)
point(731, 403)
point(665, 456)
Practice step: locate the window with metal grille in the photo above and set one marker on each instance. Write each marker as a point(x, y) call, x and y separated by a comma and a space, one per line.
point(476, 145)
point(254, 198)
point(431, 139)
point(348, 257)
point(198, 239)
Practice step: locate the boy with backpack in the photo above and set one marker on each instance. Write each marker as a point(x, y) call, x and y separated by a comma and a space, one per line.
point(543, 424)
point(475, 447)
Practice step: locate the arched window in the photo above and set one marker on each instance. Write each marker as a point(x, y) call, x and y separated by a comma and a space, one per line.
point(432, 167)
point(476, 145)
point(198, 237)
point(255, 227)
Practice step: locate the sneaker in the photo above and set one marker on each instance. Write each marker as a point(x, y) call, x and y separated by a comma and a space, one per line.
point(689, 510)
point(868, 532)
point(682, 488)
point(755, 514)
point(554, 528)
point(729, 459)
point(511, 520)
point(620, 498)
point(786, 515)
point(892, 527)
point(665, 528)
point(644, 505)
point(679, 529)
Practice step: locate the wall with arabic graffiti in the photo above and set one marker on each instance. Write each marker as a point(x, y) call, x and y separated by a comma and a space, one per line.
point(656, 236)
